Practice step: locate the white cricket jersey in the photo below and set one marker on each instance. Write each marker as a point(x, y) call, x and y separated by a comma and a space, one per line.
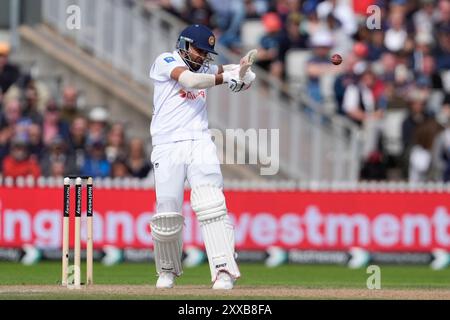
point(178, 113)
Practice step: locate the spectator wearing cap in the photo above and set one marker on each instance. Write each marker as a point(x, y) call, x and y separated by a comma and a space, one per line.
point(9, 73)
point(96, 164)
point(137, 161)
point(53, 125)
point(270, 45)
point(19, 162)
point(69, 106)
point(56, 152)
point(319, 64)
point(98, 124)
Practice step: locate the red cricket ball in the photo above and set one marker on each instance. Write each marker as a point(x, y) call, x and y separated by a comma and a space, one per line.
point(336, 59)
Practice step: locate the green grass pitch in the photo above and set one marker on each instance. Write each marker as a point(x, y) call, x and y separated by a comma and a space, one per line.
point(254, 276)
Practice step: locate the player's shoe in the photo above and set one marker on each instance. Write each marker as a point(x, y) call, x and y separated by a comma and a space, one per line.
point(224, 281)
point(165, 280)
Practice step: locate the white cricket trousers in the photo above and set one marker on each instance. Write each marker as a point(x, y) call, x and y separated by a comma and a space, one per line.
point(173, 163)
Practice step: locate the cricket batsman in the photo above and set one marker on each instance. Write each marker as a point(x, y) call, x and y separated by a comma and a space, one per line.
point(183, 149)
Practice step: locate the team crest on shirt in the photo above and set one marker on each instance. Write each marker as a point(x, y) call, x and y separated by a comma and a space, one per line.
point(169, 59)
point(192, 95)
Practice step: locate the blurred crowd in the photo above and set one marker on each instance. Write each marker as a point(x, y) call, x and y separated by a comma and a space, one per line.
point(52, 136)
point(396, 58)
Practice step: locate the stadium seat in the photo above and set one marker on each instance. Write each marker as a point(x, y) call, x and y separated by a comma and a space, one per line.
point(251, 33)
point(295, 67)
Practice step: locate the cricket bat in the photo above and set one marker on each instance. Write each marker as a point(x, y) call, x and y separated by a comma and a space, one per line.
point(246, 62)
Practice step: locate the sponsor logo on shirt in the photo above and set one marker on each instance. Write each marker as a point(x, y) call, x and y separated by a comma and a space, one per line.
point(192, 95)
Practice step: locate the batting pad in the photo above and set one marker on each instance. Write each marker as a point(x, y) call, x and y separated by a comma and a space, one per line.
point(208, 202)
point(167, 240)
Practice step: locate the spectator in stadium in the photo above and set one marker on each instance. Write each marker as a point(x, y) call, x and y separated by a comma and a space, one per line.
point(116, 142)
point(9, 73)
point(98, 124)
point(53, 125)
point(396, 34)
point(420, 157)
point(443, 15)
point(96, 164)
point(228, 18)
point(311, 22)
point(35, 138)
point(56, 152)
point(57, 169)
point(441, 148)
point(442, 50)
point(78, 133)
point(340, 10)
point(77, 140)
point(376, 45)
point(11, 123)
point(137, 161)
point(119, 169)
point(69, 106)
point(347, 77)
point(359, 101)
point(270, 45)
point(30, 105)
point(197, 12)
point(290, 37)
point(417, 115)
point(362, 106)
point(19, 162)
point(284, 8)
point(319, 65)
point(423, 19)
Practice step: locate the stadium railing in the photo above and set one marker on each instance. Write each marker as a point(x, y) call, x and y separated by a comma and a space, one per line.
point(243, 185)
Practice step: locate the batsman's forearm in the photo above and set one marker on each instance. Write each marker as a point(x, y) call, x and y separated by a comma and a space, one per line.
point(189, 79)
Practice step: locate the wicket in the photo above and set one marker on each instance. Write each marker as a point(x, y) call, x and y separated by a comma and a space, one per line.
point(77, 231)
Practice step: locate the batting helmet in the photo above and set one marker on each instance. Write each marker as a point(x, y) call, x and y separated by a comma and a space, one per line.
point(199, 36)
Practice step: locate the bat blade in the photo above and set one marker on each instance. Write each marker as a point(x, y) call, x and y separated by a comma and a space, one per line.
point(246, 62)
